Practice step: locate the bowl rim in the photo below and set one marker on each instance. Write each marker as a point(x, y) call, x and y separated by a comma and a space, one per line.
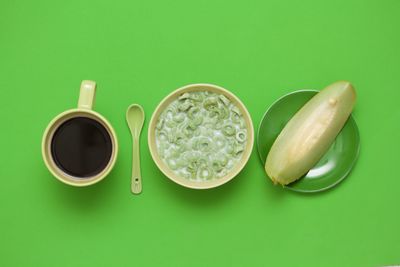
point(183, 181)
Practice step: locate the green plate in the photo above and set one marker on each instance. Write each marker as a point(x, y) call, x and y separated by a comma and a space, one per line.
point(334, 166)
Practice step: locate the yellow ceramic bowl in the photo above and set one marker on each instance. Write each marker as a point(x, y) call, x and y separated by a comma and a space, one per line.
point(208, 183)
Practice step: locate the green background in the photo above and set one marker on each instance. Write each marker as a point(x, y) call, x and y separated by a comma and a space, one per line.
point(139, 51)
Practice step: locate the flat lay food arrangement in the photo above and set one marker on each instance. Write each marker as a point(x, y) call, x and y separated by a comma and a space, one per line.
point(200, 136)
point(199, 133)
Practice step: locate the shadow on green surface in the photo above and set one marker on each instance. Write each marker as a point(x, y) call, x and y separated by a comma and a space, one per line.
point(83, 199)
point(207, 197)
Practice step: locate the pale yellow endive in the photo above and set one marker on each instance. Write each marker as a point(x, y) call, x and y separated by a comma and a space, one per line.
point(310, 133)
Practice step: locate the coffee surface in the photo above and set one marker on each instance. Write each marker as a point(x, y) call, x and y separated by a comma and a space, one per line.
point(81, 147)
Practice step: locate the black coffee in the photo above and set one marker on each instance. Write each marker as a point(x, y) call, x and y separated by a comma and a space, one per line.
point(81, 147)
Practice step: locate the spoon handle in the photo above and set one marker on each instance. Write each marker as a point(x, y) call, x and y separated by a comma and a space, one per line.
point(136, 185)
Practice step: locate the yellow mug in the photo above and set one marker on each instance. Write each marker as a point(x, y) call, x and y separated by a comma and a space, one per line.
point(79, 146)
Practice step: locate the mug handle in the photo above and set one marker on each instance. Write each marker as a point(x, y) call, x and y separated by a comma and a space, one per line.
point(86, 95)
